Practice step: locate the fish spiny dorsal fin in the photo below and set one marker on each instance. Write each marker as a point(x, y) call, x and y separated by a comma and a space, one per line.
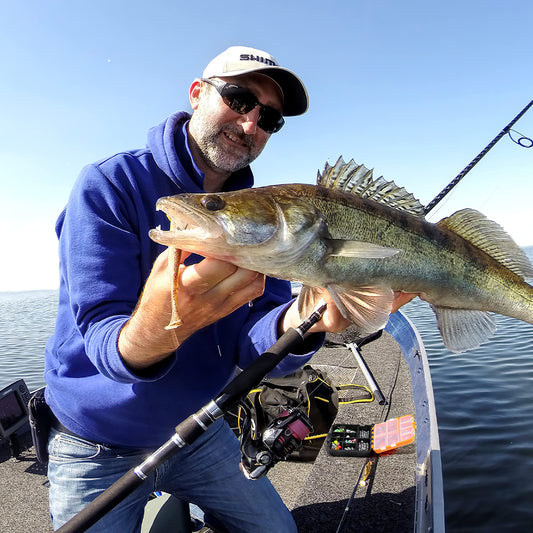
point(490, 237)
point(343, 176)
point(358, 180)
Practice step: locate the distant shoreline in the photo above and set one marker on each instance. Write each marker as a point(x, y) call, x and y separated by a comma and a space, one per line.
point(29, 291)
point(527, 249)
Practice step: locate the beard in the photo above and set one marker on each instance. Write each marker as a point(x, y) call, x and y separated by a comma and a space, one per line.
point(214, 151)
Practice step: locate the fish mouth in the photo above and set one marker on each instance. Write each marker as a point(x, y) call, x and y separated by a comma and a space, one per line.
point(187, 224)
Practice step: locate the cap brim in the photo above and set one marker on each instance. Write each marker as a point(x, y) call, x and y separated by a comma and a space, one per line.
point(295, 98)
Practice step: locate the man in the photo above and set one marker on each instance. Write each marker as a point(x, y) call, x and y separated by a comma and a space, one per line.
point(118, 382)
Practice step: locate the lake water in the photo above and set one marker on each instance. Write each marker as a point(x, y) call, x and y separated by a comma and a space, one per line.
point(484, 401)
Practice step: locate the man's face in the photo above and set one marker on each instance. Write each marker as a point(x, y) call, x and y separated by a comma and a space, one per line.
point(228, 141)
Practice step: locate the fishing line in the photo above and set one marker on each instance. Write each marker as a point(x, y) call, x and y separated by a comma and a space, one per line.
point(525, 142)
point(370, 465)
point(385, 410)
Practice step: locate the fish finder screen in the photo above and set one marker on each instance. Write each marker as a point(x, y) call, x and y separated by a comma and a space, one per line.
point(10, 410)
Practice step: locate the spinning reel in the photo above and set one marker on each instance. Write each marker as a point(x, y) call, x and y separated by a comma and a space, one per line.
point(262, 449)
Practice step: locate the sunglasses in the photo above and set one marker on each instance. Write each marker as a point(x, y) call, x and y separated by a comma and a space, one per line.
point(242, 101)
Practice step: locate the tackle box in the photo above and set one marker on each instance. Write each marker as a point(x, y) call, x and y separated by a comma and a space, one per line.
point(352, 440)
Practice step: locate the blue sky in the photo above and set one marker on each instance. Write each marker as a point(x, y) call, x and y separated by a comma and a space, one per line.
point(414, 89)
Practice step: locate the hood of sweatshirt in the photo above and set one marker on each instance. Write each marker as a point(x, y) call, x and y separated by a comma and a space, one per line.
point(169, 144)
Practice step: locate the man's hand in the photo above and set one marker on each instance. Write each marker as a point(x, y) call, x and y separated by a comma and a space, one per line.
point(208, 291)
point(401, 298)
point(332, 321)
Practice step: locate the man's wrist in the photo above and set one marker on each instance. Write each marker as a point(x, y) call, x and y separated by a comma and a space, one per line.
point(142, 347)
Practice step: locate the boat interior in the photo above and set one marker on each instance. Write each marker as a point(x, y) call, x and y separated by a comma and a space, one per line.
point(399, 490)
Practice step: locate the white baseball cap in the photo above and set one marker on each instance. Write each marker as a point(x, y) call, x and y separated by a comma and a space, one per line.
point(239, 60)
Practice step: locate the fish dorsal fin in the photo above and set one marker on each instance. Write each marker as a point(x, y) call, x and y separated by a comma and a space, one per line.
point(490, 237)
point(358, 180)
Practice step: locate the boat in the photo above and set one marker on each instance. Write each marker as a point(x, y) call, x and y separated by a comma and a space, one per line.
point(399, 490)
point(404, 491)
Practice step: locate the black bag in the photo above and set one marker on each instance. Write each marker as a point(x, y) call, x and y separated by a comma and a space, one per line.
point(40, 422)
point(307, 389)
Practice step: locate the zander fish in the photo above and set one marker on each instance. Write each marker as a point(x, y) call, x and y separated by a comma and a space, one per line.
point(361, 239)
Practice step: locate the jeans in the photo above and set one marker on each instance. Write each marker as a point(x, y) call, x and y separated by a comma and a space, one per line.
point(205, 473)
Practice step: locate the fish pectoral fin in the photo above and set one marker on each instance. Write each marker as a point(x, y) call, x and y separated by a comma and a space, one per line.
point(367, 307)
point(308, 300)
point(463, 329)
point(359, 249)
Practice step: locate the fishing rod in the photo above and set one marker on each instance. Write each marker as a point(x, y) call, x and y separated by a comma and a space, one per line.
point(523, 141)
point(194, 426)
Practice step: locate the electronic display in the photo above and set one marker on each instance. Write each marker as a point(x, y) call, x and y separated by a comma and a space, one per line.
point(13, 407)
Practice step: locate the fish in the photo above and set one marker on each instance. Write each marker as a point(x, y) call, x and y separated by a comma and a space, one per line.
point(361, 239)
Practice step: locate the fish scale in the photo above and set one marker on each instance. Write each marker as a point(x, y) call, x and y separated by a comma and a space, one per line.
point(361, 239)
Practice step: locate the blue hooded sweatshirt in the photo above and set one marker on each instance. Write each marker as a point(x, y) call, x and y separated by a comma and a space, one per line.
point(105, 259)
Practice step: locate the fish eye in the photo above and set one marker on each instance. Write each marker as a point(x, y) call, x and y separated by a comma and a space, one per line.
point(213, 202)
